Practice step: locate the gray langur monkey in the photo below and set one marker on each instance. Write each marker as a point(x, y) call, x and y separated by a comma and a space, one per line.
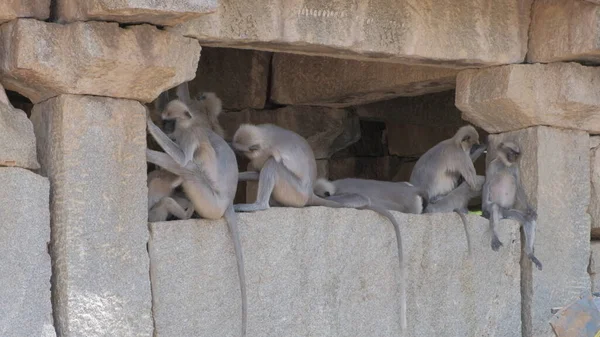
point(439, 170)
point(208, 168)
point(162, 199)
point(286, 170)
point(395, 196)
point(503, 193)
point(457, 201)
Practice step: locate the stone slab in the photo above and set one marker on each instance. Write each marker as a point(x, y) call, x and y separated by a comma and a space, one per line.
point(555, 171)
point(93, 151)
point(594, 209)
point(322, 272)
point(17, 141)
point(431, 110)
point(327, 130)
point(327, 81)
point(25, 305)
point(409, 140)
point(239, 77)
point(564, 30)
point(508, 98)
point(463, 33)
point(10, 10)
point(162, 13)
point(378, 168)
point(595, 265)
point(137, 62)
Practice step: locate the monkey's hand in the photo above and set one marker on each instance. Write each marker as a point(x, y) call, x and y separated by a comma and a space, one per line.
point(531, 214)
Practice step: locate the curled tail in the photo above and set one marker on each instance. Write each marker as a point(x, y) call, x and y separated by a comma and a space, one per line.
point(466, 226)
point(231, 219)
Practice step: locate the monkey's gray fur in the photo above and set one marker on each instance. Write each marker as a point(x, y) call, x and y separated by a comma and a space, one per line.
point(162, 200)
point(503, 197)
point(208, 168)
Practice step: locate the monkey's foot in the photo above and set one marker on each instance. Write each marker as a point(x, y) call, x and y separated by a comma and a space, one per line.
point(535, 261)
point(249, 207)
point(496, 244)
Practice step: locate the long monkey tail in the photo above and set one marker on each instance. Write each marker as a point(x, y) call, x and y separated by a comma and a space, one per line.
point(396, 225)
point(466, 226)
point(231, 219)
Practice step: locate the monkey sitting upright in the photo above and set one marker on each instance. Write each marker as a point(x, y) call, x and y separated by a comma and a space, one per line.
point(287, 171)
point(503, 193)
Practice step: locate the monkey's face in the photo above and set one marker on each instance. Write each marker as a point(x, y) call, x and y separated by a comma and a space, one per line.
point(246, 142)
point(176, 110)
point(511, 152)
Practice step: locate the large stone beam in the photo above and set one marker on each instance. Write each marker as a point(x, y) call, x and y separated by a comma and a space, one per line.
point(41, 60)
point(463, 33)
point(93, 151)
point(10, 10)
point(555, 171)
point(327, 81)
point(25, 307)
point(164, 13)
point(564, 30)
point(508, 98)
point(319, 271)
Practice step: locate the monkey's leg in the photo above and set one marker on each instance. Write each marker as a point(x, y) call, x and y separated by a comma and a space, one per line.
point(529, 231)
point(248, 176)
point(167, 144)
point(175, 208)
point(494, 219)
point(266, 184)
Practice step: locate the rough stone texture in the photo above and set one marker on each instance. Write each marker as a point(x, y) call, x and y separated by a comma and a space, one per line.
point(507, 98)
point(555, 171)
point(93, 151)
point(564, 30)
point(594, 268)
point(327, 130)
point(12, 9)
point(17, 141)
point(594, 209)
point(163, 13)
point(322, 272)
point(431, 110)
point(25, 307)
point(379, 168)
point(138, 62)
point(239, 77)
point(447, 32)
point(326, 81)
point(414, 140)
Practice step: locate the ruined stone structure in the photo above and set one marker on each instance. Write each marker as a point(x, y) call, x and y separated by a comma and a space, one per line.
point(371, 84)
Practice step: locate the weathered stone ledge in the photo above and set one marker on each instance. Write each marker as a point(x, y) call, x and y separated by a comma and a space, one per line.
point(13, 9)
point(319, 271)
point(137, 62)
point(464, 33)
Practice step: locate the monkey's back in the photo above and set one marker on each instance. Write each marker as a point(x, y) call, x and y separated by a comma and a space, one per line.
point(397, 196)
point(431, 172)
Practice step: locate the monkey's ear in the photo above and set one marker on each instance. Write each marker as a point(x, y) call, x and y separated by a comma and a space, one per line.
point(254, 147)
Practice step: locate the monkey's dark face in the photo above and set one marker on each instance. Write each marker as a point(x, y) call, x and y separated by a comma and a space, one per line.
point(512, 155)
point(511, 152)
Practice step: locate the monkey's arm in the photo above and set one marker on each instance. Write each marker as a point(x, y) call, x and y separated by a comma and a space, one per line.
point(248, 176)
point(463, 165)
point(167, 144)
point(165, 161)
point(478, 152)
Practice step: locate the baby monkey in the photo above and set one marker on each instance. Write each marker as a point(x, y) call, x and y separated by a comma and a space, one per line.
point(503, 193)
point(162, 199)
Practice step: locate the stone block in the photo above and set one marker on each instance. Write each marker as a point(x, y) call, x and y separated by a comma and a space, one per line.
point(378, 168)
point(408, 140)
point(327, 130)
point(327, 81)
point(594, 209)
point(162, 13)
point(10, 10)
point(25, 305)
point(430, 110)
point(508, 98)
point(317, 271)
point(455, 33)
point(555, 171)
point(564, 30)
point(239, 77)
point(93, 151)
point(595, 265)
point(372, 142)
point(137, 62)
point(17, 141)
